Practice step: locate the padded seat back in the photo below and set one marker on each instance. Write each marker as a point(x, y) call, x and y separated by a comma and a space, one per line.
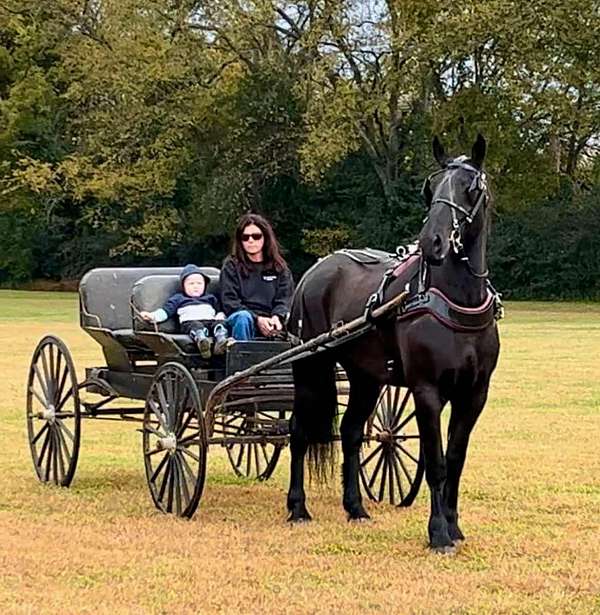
point(104, 295)
point(152, 291)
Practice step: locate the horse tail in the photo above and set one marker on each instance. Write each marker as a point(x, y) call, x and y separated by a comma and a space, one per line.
point(315, 412)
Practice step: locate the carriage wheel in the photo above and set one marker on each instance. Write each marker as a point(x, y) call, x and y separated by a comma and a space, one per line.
point(256, 460)
point(53, 412)
point(174, 441)
point(392, 462)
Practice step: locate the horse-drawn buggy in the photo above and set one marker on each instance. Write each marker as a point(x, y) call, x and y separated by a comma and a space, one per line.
point(241, 401)
point(380, 330)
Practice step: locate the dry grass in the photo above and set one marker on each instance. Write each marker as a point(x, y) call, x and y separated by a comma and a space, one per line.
point(530, 504)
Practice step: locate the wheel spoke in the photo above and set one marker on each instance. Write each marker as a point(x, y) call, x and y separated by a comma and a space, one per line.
point(40, 432)
point(258, 464)
point(263, 449)
point(397, 473)
point(164, 405)
point(63, 401)
point(400, 411)
point(36, 369)
point(405, 421)
point(376, 470)
point(55, 457)
point(407, 453)
point(183, 480)
point(49, 383)
point(43, 449)
point(383, 477)
point(391, 478)
point(189, 453)
point(61, 461)
point(248, 458)
point(409, 478)
point(156, 410)
point(188, 470)
point(185, 424)
point(189, 440)
point(65, 429)
point(372, 454)
point(165, 479)
point(154, 451)
point(159, 467)
point(177, 487)
point(240, 456)
point(63, 444)
point(38, 396)
point(49, 456)
point(59, 390)
point(154, 431)
point(58, 366)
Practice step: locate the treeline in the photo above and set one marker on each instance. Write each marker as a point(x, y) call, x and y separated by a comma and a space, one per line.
point(136, 131)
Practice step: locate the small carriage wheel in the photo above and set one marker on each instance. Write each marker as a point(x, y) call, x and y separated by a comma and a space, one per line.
point(392, 461)
point(53, 412)
point(256, 460)
point(174, 441)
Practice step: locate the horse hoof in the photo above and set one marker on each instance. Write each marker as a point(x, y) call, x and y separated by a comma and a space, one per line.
point(445, 550)
point(363, 519)
point(299, 520)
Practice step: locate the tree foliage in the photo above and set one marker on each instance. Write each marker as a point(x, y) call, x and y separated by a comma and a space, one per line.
point(136, 131)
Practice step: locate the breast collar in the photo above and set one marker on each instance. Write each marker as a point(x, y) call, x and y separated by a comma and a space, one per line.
point(456, 317)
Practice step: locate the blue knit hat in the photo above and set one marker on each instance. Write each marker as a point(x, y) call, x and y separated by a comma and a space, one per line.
point(190, 269)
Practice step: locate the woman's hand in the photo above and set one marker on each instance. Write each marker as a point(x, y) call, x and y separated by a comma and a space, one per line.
point(147, 316)
point(277, 326)
point(269, 325)
point(265, 325)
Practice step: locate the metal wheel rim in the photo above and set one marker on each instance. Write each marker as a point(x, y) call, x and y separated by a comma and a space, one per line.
point(53, 412)
point(174, 441)
point(392, 462)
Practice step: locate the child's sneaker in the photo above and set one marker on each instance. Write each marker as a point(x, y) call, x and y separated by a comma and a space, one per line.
point(204, 346)
point(221, 344)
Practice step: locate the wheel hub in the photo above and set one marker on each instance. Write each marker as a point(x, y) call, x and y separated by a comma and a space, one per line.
point(48, 414)
point(385, 437)
point(168, 443)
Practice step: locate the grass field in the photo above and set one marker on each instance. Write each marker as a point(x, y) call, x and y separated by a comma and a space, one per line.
point(530, 503)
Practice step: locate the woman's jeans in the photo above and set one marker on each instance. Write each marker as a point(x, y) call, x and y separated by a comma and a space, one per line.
point(241, 324)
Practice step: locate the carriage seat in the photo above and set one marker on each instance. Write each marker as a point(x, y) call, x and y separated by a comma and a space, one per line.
point(150, 293)
point(104, 298)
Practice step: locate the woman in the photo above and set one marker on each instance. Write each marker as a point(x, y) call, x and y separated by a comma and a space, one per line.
point(256, 283)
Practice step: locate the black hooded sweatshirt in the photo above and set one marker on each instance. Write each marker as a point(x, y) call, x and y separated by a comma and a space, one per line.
point(263, 291)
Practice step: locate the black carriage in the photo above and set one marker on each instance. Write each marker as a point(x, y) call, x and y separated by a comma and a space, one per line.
point(241, 401)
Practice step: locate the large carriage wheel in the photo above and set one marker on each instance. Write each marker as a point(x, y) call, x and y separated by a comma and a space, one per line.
point(392, 462)
point(53, 412)
point(256, 460)
point(174, 441)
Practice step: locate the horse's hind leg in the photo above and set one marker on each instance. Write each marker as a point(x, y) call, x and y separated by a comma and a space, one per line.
point(311, 424)
point(296, 498)
point(428, 409)
point(465, 412)
point(364, 391)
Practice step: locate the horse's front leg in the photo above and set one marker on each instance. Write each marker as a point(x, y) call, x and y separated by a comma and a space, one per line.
point(466, 409)
point(428, 406)
point(364, 391)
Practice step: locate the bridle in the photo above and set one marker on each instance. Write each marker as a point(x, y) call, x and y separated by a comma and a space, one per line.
point(479, 182)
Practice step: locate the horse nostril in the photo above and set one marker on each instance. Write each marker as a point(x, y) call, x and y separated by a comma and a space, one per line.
point(437, 243)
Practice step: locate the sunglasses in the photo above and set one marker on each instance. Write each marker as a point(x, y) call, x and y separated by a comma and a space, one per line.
point(255, 236)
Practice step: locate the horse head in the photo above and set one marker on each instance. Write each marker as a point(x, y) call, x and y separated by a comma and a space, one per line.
point(456, 197)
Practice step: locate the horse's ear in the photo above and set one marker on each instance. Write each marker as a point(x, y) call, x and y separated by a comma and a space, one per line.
point(478, 151)
point(438, 152)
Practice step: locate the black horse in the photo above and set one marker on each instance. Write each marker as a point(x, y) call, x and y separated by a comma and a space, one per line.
point(443, 345)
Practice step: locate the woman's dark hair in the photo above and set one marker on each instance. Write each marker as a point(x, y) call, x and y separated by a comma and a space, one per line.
point(272, 257)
